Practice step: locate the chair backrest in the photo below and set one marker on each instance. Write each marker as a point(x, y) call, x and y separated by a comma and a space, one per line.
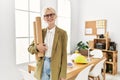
point(96, 71)
point(26, 75)
point(83, 75)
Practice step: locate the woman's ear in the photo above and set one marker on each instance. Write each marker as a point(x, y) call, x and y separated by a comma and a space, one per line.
point(55, 16)
point(44, 18)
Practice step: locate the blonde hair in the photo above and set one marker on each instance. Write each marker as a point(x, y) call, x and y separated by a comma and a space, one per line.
point(49, 8)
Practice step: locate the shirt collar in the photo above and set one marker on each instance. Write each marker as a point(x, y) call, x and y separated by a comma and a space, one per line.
point(51, 30)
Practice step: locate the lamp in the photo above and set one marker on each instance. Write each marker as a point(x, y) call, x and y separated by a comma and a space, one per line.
point(88, 58)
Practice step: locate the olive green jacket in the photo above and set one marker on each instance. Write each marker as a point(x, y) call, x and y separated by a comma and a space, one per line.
point(58, 57)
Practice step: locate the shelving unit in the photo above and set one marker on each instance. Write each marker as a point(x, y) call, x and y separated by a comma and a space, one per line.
point(111, 62)
point(104, 44)
point(103, 41)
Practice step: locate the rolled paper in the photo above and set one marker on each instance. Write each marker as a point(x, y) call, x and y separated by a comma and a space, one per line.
point(35, 37)
point(39, 30)
point(38, 34)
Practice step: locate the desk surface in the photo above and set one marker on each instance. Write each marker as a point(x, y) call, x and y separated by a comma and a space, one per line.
point(72, 71)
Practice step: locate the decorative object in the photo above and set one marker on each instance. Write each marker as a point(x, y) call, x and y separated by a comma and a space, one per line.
point(81, 45)
point(82, 48)
point(80, 59)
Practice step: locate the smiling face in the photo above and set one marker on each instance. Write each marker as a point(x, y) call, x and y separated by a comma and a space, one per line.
point(50, 16)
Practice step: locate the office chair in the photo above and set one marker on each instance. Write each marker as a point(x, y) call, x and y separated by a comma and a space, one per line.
point(96, 72)
point(83, 75)
point(26, 75)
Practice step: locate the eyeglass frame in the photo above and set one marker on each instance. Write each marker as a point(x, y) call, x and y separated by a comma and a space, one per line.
point(49, 15)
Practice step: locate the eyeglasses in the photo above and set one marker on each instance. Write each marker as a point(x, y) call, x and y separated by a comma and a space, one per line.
point(49, 15)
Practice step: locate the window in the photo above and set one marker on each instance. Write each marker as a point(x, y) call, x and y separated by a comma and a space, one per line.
point(25, 13)
point(64, 18)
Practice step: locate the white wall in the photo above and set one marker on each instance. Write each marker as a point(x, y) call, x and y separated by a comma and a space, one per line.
point(74, 24)
point(100, 9)
point(48, 3)
point(8, 69)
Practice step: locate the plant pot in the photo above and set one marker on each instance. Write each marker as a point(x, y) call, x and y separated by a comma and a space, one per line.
point(84, 52)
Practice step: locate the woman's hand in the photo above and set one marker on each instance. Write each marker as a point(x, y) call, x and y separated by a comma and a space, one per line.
point(41, 48)
point(62, 79)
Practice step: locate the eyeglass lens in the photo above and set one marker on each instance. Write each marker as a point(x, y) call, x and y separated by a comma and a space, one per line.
point(49, 15)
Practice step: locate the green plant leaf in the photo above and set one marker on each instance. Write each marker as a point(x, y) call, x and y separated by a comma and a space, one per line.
point(82, 45)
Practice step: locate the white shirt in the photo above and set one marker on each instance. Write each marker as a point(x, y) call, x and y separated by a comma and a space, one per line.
point(49, 41)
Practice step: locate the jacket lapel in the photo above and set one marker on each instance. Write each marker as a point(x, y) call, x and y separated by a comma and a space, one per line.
point(44, 34)
point(55, 40)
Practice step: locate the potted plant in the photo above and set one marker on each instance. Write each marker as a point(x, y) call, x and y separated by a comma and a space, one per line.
point(82, 47)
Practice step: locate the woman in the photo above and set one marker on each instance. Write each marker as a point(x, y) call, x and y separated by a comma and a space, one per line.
point(53, 65)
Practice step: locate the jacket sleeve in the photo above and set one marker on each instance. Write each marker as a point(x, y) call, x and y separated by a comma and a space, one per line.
point(64, 56)
point(32, 48)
